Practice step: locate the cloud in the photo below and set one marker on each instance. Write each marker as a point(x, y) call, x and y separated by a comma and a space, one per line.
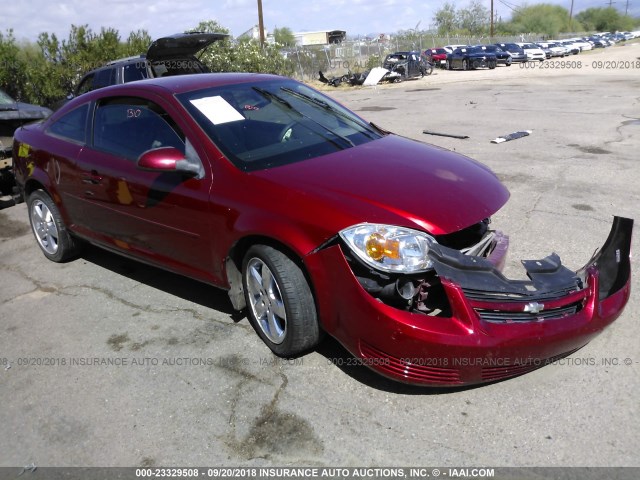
point(164, 17)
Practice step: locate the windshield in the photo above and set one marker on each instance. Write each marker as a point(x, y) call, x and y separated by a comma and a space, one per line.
point(268, 124)
point(512, 47)
point(6, 99)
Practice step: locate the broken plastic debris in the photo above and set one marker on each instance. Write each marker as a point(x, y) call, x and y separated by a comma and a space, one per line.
point(429, 132)
point(375, 75)
point(511, 136)
point(29, 468)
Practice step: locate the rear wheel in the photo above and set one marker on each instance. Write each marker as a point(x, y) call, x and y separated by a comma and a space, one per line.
point(448, 65)
point(49, 229)
point(280, 304)
point(465, 64)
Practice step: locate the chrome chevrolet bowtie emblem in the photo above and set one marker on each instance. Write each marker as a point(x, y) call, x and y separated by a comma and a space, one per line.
point(534, 307)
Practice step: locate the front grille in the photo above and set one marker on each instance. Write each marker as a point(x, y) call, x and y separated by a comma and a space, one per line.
point(472, 294)
point(496, 316)
point(411, 371)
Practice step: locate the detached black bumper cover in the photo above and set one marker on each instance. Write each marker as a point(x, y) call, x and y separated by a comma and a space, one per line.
point(553, 290)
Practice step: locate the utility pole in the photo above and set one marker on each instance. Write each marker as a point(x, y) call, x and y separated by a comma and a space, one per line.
point(491, 29)
point(260, 23)
point(571, 16)
point(626, 9)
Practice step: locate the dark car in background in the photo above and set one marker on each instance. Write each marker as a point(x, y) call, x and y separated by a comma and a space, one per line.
point(518, 55)
point(502, 57)
point(470, 58)
point(13, 114)
point(405, 65)
point(167, 56)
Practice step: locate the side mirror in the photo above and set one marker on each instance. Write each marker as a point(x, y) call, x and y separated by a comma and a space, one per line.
point(166, 159)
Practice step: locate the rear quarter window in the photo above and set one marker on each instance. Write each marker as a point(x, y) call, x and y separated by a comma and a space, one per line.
point(71, 126)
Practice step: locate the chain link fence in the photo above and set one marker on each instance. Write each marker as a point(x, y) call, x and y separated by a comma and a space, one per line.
point(359, 55)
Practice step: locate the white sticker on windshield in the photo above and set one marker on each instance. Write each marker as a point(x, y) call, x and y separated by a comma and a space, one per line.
point(217, 110)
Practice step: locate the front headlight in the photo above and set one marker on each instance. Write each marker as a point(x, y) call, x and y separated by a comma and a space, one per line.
point(389, 248)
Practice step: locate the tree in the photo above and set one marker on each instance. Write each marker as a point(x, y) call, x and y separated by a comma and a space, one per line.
point(244, 56)
point(541, 18)
point(474, 19)
point(446, 19)
point(605, 20)
point(12, 66)
point(284, 37)
point(138, 43)
point(209, 26)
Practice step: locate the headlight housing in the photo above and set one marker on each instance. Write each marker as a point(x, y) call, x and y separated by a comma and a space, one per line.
point(389, 248)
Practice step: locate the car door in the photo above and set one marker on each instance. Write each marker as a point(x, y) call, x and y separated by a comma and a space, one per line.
point(456, 58)
point(161, 217)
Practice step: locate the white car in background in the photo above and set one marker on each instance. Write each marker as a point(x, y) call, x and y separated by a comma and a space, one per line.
point(583, 44)
point(571, 47)
point(556, 50)
point(451, 48)
point(533, 51)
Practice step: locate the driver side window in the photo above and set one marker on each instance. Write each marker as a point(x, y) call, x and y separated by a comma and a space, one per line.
point(128, 127)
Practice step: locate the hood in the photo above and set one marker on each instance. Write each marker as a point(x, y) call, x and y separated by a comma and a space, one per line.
point(23, 111)
point(181, 45)
point(396, 180)
point(481, 54)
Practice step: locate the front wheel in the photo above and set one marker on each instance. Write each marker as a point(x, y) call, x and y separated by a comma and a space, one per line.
point(465, 65)
point(49, 229)
point(280, 304)
point(448, 65)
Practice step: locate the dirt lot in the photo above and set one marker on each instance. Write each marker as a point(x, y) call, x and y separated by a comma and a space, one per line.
point(191, 384)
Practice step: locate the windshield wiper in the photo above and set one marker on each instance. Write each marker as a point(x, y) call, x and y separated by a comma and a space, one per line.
point(321, 103)
point(279, 99)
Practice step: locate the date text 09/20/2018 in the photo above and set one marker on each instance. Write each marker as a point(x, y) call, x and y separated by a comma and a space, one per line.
point(579, 64)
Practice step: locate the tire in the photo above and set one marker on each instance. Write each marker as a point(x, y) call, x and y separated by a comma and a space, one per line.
point(465, 64)
point(492, 65)
point(448, 65)
point(508, 63)
point(280, 304)
point(52, 235)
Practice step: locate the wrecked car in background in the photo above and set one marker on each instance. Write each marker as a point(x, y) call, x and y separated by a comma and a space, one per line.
point(314, 220)
point(13, 114)
point(166, 56)
point(405, 65)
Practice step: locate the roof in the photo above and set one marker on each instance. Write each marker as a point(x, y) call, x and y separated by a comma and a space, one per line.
point(196, 81)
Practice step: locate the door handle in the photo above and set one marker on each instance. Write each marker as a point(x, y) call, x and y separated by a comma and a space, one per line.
point(93, 177)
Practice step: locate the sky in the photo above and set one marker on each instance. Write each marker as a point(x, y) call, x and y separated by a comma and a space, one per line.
point(165, 17)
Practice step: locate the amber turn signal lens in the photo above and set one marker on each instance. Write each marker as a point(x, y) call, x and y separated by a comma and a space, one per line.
point(378, 247)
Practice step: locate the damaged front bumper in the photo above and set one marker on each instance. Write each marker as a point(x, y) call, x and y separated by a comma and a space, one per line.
point(494, 327)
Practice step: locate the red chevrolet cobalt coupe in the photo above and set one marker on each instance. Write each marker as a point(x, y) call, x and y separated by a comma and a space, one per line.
point(314, 221)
